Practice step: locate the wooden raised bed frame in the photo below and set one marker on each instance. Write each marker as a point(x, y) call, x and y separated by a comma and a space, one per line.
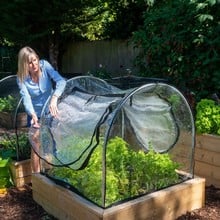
point(21, 172)
point(167, 204)
point(7, 120)
point(207, 158)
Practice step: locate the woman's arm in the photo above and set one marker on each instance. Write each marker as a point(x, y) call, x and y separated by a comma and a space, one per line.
point(60, 84)
point(26, 98)
point(56, 77)
point(28, 105)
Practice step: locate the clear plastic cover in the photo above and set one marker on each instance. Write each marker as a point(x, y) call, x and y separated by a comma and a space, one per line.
point(13, 118)
point(105, 139)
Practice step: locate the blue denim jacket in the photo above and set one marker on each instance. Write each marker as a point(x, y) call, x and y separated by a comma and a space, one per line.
point(36, 94)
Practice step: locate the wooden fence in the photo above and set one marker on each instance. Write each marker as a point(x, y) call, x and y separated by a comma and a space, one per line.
point(116, 57)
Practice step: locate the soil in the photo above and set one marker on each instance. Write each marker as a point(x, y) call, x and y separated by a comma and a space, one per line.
point(18, 204)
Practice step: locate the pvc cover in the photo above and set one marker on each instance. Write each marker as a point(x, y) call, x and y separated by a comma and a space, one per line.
point(9, 87)
point(88, 104)
point(91, 112)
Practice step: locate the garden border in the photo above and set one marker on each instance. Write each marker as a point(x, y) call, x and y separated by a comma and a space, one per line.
point(166, 204)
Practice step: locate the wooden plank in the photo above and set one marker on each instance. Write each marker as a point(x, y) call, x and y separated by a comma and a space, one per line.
point(212, 181)
point(21, 181)
point(203, 170)
point(62, 203)
point(216, 173)
point(208, 142)
point(7, 120)
point(209, 172)
point(165, 204)
point(21, 168)
point(207, 156)
point(21, 172)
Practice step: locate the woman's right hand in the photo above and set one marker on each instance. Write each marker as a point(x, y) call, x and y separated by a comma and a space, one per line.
point(34, 121)
point(53, 106)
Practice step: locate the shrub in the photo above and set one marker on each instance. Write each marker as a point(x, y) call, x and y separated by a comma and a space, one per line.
point(8, 104)
point(208, 117)
point(180, 41)
point(15, 147)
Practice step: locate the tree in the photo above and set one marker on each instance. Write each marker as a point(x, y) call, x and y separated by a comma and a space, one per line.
point(115, 19)
point(180, 40)
point(42, 24)
point(49, 25)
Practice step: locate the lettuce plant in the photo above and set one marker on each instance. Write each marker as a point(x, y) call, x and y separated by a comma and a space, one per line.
point(207, 117)
point(129, 173)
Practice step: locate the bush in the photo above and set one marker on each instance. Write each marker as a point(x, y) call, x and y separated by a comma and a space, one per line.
point(11, 145)
point(180, 40)
point(8, 104)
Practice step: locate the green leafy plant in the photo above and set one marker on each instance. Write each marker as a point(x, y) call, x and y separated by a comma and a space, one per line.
point(129, 173)
point(100, 72)
point(176, 41)
point(9, 152)
point(15, 147)
point(8, 104)
point(208, 117)
point(5, 176)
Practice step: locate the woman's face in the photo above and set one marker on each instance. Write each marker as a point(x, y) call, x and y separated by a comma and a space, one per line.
point(33, 64)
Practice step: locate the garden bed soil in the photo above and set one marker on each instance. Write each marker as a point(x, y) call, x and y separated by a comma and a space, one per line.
point(18, 204)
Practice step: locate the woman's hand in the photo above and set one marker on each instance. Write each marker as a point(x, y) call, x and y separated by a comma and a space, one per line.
point(53, 106)
point(34, 121)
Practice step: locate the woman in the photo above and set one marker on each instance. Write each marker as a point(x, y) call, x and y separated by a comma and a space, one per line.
point(35, 78)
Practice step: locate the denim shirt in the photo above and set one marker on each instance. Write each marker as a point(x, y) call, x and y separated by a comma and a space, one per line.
point(35, 95)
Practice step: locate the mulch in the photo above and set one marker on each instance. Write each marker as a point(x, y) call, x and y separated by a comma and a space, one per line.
point(211, 210)
point(18, 204)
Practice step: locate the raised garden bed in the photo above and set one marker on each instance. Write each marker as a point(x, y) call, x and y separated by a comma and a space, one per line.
point(206, 158)
point(166, 204)
point(207, 162)
point(21, 172)
point(7, 120)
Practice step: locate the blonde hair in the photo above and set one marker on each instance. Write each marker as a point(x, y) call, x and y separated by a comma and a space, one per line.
point(23, 62)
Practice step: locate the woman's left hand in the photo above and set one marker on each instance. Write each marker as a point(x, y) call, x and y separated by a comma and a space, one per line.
point(53, 106)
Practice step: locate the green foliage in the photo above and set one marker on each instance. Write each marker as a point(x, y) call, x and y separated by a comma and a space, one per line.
point(10, 145)
point(128, 173)
point(208, 117)
point(5, 176)
point(180, 41)
point(8, 62)
point(93, 20)
point(42, 28)
point(99, 15)
point(69, 20)
point(119, 27)
point(8, 104)
point(101, 72)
